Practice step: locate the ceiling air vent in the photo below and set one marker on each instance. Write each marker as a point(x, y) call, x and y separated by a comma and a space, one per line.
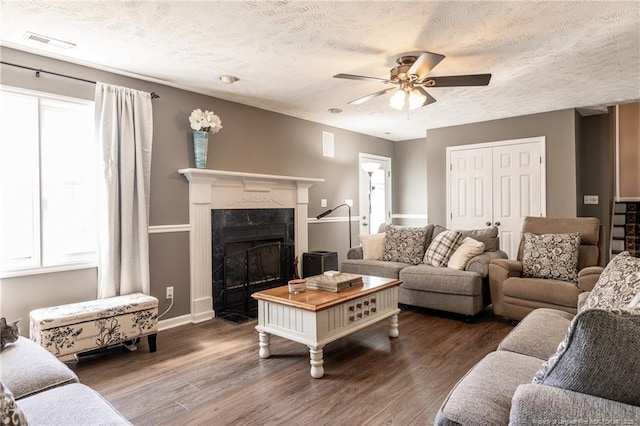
point(38, 38)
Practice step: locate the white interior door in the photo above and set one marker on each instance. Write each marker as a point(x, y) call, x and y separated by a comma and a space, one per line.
point(497, 183)
point(375, 193)
point(470, 188)
point(517, 192)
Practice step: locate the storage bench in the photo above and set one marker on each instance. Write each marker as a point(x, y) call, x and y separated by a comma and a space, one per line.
point(67, 330)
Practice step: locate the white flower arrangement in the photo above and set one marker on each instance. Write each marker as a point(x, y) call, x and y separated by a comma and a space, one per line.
point(205, 121)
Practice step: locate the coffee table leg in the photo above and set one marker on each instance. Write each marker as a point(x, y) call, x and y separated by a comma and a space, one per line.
point(264, 338)
point(317, 363)
point(393, 326)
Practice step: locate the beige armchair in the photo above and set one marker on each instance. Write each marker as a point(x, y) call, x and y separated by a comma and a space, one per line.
point(515, 296)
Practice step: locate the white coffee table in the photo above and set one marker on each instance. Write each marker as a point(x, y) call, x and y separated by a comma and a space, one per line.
point(315, 318)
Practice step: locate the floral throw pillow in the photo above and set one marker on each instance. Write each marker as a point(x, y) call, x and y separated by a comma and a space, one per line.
point(10, 414)
point(618, 284)
point(442, 247)
point(551, 256)
point(402, 244)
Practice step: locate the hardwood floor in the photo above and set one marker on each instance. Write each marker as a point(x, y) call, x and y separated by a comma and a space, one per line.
point(210, 374)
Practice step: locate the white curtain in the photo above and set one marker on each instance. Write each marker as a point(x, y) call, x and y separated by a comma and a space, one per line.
point(124, 124)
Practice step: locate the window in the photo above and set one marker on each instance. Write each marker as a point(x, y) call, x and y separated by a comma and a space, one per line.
point(48, 175)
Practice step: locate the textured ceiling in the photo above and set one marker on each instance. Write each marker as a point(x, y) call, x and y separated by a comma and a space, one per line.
point(544, 56)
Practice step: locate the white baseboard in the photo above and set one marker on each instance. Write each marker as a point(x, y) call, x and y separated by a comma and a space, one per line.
point(174, 322)
point(185, 319)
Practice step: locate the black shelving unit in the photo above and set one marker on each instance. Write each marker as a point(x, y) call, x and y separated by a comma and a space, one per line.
point(625, 234)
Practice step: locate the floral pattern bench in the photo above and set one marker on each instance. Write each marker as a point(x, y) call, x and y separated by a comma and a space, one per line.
point(67, 330)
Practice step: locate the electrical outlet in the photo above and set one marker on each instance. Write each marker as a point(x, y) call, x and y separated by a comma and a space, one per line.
point(170, 292)
point(349, 202)
point(323, 202)
point(591, 199)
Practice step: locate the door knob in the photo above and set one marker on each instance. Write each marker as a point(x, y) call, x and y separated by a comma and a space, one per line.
point(497, 223)
point(488, 223)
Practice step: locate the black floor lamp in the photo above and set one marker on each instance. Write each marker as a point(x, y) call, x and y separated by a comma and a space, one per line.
point(323, 214)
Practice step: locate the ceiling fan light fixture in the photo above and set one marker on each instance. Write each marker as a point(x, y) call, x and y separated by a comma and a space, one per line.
point(398, 100)
point(407, 98)
point(416, 99)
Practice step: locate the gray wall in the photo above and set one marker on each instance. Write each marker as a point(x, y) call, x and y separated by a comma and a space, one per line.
point(595, 171)
point(252, 140)
point(557, 126)
point(410, 182)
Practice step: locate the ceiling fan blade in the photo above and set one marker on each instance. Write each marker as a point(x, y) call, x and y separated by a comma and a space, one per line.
point(425, 63)
point(457, 80)
point(360, 77)
point(370, 96)
point(429, 99)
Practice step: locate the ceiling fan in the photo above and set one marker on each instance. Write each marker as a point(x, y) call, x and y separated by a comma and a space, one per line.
point(410, 78)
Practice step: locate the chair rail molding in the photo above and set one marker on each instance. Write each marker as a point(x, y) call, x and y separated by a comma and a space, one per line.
point(163, 229)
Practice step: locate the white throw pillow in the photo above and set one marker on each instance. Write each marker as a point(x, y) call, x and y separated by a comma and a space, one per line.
point(372, 246)
point(468, 249)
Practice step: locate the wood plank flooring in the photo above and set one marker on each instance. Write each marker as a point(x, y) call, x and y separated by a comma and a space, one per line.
point(210, 374)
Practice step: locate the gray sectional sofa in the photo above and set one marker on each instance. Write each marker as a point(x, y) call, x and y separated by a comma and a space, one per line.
point(463, 292)
point(557, 368)
point(47, 392)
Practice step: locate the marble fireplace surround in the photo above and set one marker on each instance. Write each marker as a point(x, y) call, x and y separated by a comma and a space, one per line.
point(219, 189)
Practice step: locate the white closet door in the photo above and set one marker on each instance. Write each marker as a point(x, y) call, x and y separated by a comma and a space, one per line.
point(470, 186)
point(516, 191)
point(497, 183)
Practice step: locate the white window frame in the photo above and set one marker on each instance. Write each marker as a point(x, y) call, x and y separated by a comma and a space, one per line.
point(89, 261)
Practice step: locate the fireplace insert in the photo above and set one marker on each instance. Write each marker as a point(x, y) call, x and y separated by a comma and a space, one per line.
point(253, 250)
point(253, 269)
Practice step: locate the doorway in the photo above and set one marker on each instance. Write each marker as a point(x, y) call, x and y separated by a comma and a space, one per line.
point(496, 184)
point(374, 192)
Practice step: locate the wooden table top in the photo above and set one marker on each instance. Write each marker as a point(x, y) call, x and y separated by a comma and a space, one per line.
point(317, 300)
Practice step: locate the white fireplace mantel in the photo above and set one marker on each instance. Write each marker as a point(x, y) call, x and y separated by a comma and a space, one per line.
point(219, 189)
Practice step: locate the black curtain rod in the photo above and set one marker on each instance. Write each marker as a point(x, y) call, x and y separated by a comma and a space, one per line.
point(154, 95)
